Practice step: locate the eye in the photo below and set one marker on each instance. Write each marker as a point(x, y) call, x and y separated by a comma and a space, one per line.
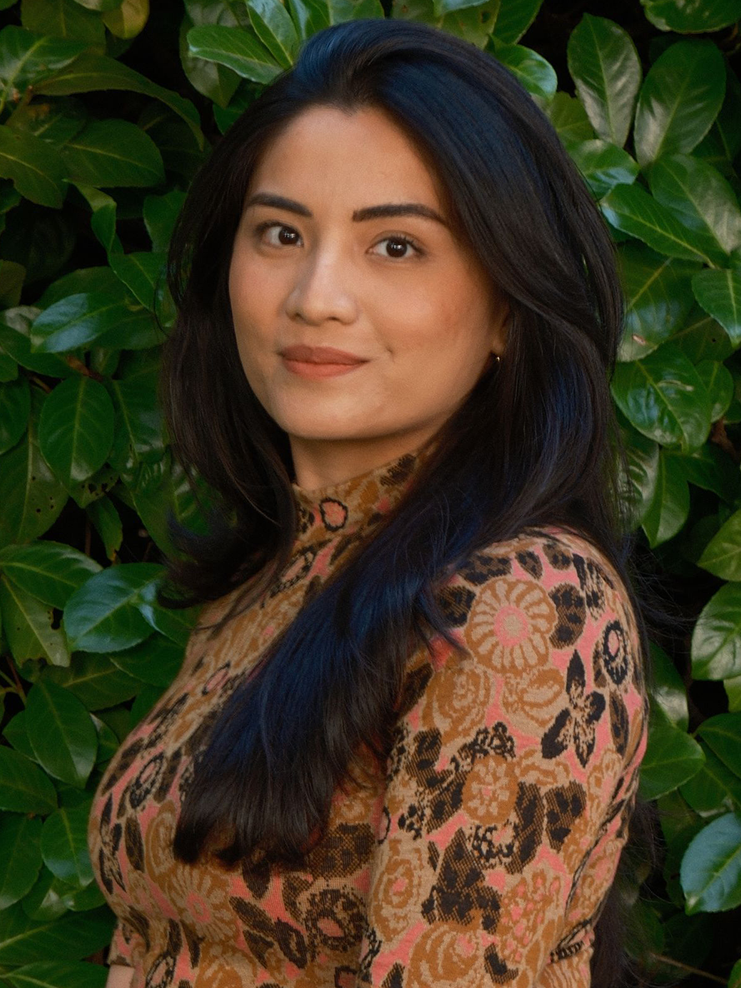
point(281, 227)
point(402, 242)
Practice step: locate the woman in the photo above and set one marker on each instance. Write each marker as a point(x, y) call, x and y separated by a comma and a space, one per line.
point(403, 747)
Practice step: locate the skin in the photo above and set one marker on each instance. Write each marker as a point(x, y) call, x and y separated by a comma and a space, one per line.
point(428, 323)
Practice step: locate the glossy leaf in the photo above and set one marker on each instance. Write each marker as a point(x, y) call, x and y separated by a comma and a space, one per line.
point(90, 72)
point(102, 615)
point(64, 845)
point(24, 787)
point(716, 637)
point(692, 16)
point(58, 974)
point(603, 165)
point(15, 408)
point(719, 293)
point(94, 680)
point(92, 316)
point(569, 117)
point(672, 757)
point(272, 24)
point(33, 165)
point(702, 338)
point(23, 940)
point(606, 70)
point(15, 332)
point(139, 432)
point(113, 153)
point(663, 396)
point(142, 272)
point(61, 733)
point(20, 857)
point(31, 627)
point(643, 465)
point(669, 691)
point(27, 58)
point(237, 49)
point(513, 19)
point(659, 297)
point(76, 429)
point(670, 506)
point(63, 19)
point(107, 523)
point(52, 571)
point(631, 209)
point(722, 733)
point(702, 199)
point(103, 219)
point(711, 867)
point(718, 383)
point(535, 73)
point(714, 787)
point(155, 661)
point(679, 100)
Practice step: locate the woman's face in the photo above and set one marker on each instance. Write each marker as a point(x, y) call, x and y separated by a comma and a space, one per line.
point(329, 253)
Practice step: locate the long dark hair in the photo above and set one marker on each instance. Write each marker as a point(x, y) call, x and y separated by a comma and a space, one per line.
point(536, 442)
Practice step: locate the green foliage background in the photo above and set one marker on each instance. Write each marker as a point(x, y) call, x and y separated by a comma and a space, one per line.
point(106, 112)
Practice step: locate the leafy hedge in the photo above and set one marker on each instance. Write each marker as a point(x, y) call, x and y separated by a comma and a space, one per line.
point(95, 159)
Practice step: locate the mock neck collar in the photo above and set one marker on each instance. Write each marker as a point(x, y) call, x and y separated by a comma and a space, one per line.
point(352, 504)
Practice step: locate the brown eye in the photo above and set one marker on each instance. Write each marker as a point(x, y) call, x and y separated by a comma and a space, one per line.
point(285, 234)
point(399, 247)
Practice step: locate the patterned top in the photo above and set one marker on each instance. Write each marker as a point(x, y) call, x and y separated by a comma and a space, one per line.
point(484, 853)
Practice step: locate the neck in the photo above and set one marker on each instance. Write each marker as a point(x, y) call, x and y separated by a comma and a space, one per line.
point(320, 463)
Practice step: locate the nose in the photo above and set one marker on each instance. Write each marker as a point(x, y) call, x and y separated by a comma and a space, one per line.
point(321, 289)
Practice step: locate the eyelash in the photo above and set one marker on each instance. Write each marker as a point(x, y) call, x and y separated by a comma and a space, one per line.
point(399, 238)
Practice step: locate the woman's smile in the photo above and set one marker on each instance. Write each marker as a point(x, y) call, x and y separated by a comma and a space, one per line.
point(317, 362)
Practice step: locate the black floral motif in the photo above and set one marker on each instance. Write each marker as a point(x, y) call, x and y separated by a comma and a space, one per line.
point(460, 890)
point(557, 556)
point(296, 570)
point(395, 977)
point(134, 843)
point(571, 612)
point(372, 949)
point(258, 929)
point(124, 760)
point(342, 851)
point(400, 472)
point(619, 722)
point(571, 942)
point(146, 780)
point(163, 719)
point(193, 942)
point(575, 723)
point(110, 837)
point(335, 918)
point(592, 579)
point(334, 513)
point(455, 604)
point(482, 566)
point(615, 652)
point(564, 805)
point(528, 826)
point(414, 687)
point(489, 847)
point(291, 942)
point(162, 972)
point(530, 562)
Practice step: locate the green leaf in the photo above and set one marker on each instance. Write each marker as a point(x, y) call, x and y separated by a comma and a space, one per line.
point(107, 523)
point(603, 165)
point(669, 691)
point(64, 844)
point(710, 468)
point(702, 338)
point(711, 867)
point(238, 49)
point(722, 733)
point(672, 757)
point(670, 506)
point(718, 382)
point(61, 734)
point(692, 16)
point(570, 119)
point(94, 680)
point(52, 571)
point(606, 70)
point(719, 293)
point(63, 19)
point(216, 82)
point(15, 409)
point(679, 100)
point(15, 331)
point(34, 166)
point(27, 58)
point(514, 19)
point(702, 199)
point(113, 153)
point(643, 467)
point(143, 274)
point(103, 220)
point(90, 72)
point(716, 637)
point(30, 626)
point(76, 428)
point(536, 74)
point(20, 857)
point(81, 318)
point(713, 788)
point(309, 16)
point(631, 209)
point(31, 496)
point(664, 398)
point(23, 940)
point(175, 624)
point(272, 24)
point(658, 291)
point(139, 428)
point(156, 661)
point(160, 214)
point(58, 974)
point(24, 787)
point(102, 615)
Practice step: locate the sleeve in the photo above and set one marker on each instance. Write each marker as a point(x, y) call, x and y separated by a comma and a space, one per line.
point(511, 779)
point(126, 945)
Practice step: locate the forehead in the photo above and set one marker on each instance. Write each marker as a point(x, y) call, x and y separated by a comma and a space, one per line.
point(348, 155)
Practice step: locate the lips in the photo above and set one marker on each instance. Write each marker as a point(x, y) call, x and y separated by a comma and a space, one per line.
point(320, 355)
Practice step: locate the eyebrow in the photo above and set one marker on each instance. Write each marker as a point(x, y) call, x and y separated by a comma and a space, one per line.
point(367, 213)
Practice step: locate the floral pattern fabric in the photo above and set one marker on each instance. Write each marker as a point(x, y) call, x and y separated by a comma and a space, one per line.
point(484, 852)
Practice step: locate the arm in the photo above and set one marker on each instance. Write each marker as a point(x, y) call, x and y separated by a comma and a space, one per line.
point(509, 781)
